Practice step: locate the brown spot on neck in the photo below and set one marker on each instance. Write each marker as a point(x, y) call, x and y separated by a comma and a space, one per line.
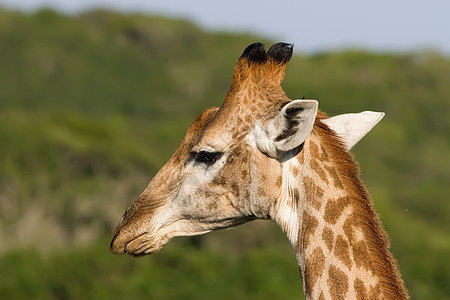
point(348, 226)
point(328, 237)
point(314, 193)
point(337, 283)
point(334, 176)
point(342, 252)
point(314, 150)
point(294, 170)
point(309, 226)
point(360, 290)
point(361, 256)
point(320, 155)
point(315, 265)
point(334, 209)
point(316, 167)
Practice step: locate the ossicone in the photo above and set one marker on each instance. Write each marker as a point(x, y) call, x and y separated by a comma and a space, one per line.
point(280, 52)
point(261, 68)
point(255, 53)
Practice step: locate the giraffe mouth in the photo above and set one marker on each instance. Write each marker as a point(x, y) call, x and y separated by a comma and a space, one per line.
point(143, 244)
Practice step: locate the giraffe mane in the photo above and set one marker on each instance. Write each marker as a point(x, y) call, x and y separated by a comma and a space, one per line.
point(366, 217)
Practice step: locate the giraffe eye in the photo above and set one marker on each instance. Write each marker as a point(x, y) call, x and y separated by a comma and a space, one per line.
point(207, 158)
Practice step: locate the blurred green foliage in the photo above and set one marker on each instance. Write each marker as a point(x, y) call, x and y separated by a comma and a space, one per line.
point(86, 273)
point(92, 105)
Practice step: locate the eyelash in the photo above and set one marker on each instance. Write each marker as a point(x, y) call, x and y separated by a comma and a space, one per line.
point(206, 157)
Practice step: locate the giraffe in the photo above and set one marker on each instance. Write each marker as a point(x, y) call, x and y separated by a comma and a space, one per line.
point(262, 155)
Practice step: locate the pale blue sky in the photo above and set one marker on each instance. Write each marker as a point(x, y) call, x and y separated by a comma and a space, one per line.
point(392, 25)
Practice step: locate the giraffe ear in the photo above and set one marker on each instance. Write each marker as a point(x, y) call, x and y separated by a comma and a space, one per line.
point(351, 128)
point(290, 128)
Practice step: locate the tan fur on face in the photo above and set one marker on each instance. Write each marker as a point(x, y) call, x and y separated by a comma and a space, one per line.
point(149, 202)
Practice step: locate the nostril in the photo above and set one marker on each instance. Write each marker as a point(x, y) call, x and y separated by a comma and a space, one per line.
point(129, 213)
point(129, 228)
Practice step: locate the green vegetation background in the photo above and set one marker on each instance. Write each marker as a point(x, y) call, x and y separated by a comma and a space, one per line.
point(92, 105)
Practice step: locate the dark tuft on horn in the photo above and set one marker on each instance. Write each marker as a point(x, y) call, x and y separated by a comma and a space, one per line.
point(255, 53)
point(280, 52)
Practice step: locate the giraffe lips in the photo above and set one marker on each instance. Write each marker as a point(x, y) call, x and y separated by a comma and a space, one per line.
point(140, 245)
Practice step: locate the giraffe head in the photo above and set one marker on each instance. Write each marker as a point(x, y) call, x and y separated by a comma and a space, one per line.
point(228, 168)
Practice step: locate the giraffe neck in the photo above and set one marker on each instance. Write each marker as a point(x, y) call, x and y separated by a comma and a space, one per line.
point(341, 248)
